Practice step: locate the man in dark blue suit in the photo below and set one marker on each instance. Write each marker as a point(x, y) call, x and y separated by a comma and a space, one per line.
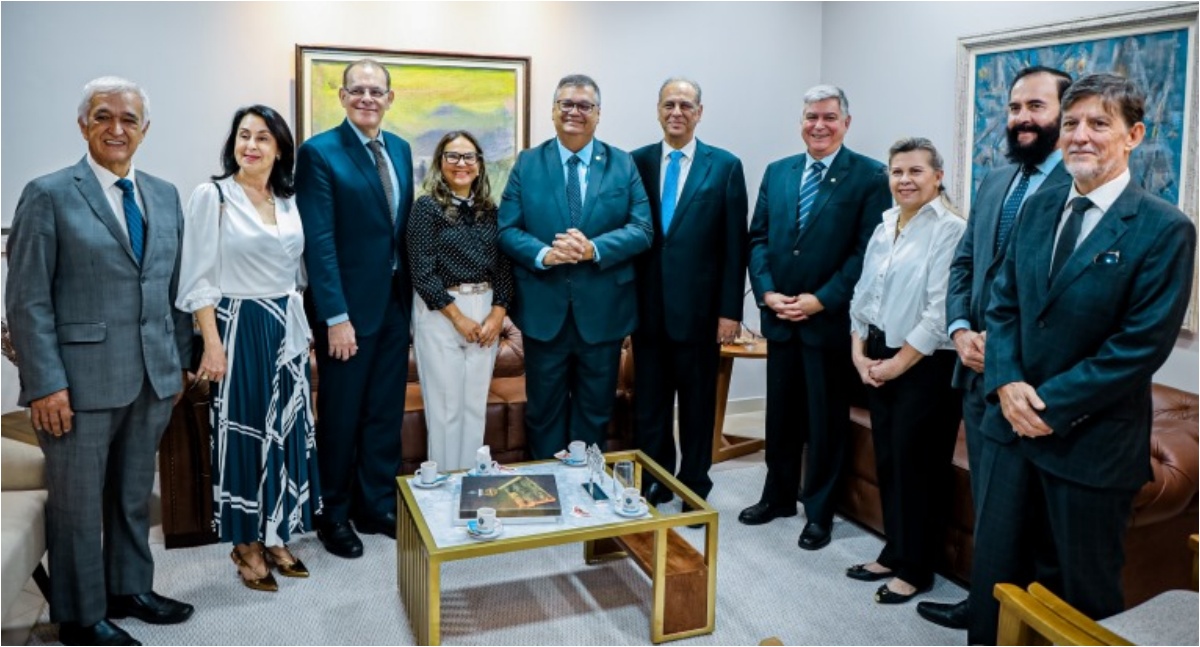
point(814, 217)
point(690, 287)
point(1033, 113)
point(573, 216)
point(1086, 307)
point(354, 190)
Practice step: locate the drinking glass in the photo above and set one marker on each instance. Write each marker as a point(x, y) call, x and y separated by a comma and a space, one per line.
point(623, 475)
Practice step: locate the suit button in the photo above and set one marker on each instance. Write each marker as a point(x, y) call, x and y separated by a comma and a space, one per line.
point(143, 280)
point(795, 252)
point(1041, 324)
point(144, 322)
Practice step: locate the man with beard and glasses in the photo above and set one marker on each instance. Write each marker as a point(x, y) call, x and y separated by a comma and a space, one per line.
point(1033, 116)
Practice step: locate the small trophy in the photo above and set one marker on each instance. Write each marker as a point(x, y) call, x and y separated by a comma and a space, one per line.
point(595, 465)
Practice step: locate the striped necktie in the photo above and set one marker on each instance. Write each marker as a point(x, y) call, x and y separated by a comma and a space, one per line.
point(574, 195)
point(133, 219)
point(808, 194)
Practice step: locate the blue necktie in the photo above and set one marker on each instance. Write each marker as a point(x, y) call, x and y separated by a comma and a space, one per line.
point(133, 219)
point(1008, 215)
point(574, 195)
point(670, 190)
point(1069, 235)
point(808, 194)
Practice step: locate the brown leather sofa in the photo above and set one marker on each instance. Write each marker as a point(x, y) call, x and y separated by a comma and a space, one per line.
point(1165, 510)
point(185, 469)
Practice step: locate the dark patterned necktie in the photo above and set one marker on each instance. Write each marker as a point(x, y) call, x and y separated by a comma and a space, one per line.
point(574, 196)
point(1008, 215)
point(133, 219)
point(385, 177)
point(1070, 234)
point(808, 194)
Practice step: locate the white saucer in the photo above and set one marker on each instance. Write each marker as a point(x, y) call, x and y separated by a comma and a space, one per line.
point(474, 534)
point(565, 459)
point(416, 482)
point(641, 511)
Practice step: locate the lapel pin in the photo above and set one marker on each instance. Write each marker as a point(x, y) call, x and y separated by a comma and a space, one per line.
point(832, 180)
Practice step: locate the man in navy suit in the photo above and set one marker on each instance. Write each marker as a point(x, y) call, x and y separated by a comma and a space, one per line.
point(354, 190)
point(1033, 113)
point(573, 216)
point(814, 217)
point(690, 287)
point(1086, 307)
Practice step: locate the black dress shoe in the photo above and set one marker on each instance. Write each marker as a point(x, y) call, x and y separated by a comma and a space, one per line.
point(951, 616)
point(658, 494)
point(339, 539)
point(385, 525)
point(687, 508)
point(814, 537)
point(763, 512)
point(149, 607)
point(887, 596)
point(101, 633)
point(861, 573)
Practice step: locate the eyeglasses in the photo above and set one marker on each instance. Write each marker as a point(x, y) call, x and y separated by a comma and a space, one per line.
point(470, 159)
point(374, 92)
point(583, 107)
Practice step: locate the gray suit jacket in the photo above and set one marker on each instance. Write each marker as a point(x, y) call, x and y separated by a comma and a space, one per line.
point(83, 314)
point(974, 266)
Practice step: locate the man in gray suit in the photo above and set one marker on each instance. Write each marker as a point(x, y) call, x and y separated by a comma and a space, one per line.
point(573, 216)
point(1033, 114)
point(93, 270)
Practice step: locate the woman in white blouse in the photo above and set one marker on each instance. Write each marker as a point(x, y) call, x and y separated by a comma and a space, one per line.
point(901, 350)
point(242, 272)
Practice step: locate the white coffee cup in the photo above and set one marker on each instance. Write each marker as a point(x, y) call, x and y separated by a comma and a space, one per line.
point(631, 499)
point(428, 472)
point(483, 460)
point(578, 450)
point(485, 520)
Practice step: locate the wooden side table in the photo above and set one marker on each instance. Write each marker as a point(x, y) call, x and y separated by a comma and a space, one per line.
point(727, 447)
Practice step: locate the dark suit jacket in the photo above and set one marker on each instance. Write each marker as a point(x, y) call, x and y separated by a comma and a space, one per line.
point(826, 259)
point(695, 272)
point(974, 266)
point(1091, 341)
point(349, 237)
point(616, 218)
point(84, 314)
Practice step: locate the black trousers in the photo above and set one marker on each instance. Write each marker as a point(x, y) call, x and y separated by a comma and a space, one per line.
point(807, 404)
point(360, 414)
point(914, 424)
point(570, 387)
point(666, 368)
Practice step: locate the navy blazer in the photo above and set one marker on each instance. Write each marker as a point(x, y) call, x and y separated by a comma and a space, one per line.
point(1091, 341)
point(695, 272)
point(350, 240)
point(826, 258)
point(616, 218)
point(975, 264)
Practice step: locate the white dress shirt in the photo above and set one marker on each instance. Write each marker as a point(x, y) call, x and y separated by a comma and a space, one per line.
point(685, 165)
point(1102, 199)
point(114, 194)
point(902, 289)
point(235, 254)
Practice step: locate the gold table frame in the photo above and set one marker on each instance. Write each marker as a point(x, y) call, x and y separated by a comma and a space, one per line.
point(419, 559)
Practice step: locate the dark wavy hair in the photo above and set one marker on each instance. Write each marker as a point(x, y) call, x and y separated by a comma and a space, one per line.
point(281, 180)
point(435, 182)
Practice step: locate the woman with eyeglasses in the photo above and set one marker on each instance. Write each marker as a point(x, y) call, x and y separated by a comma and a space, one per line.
point(464, 286)
point(241, 275)
point(901, 349)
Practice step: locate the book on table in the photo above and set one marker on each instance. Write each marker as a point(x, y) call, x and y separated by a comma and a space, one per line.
point(517, 498)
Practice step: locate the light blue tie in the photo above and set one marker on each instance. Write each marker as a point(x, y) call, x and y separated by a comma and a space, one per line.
point(808, 194)
point(670, 191)
point(133, 219)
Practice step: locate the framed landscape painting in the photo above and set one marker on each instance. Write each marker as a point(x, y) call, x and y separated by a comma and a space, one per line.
point(435, 93)
point(1155, 48)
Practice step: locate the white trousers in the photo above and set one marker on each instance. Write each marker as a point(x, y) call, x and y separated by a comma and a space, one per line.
point(455, 377)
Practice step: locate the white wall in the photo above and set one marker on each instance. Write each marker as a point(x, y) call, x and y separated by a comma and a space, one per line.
point(896, 61)
point(200, 61)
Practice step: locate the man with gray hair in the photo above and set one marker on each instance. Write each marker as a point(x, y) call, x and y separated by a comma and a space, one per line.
point(690, 287)
point(93, 271)
point(815, 214)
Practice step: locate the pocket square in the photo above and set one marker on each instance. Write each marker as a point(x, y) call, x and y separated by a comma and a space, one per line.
point(1111, 257)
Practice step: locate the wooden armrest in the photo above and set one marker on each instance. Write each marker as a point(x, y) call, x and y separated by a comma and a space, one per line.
point(1192, 543)
point(1026, 621)
point(1097, 635)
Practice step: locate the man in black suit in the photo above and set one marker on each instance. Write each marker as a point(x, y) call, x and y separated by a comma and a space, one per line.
point(1033, 113)
point(573, 216)
point(354, 189)
point(1086, 307)
point(690, 286)
point(814, 216)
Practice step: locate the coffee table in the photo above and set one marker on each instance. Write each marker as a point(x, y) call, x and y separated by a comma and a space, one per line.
point(683, 578)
